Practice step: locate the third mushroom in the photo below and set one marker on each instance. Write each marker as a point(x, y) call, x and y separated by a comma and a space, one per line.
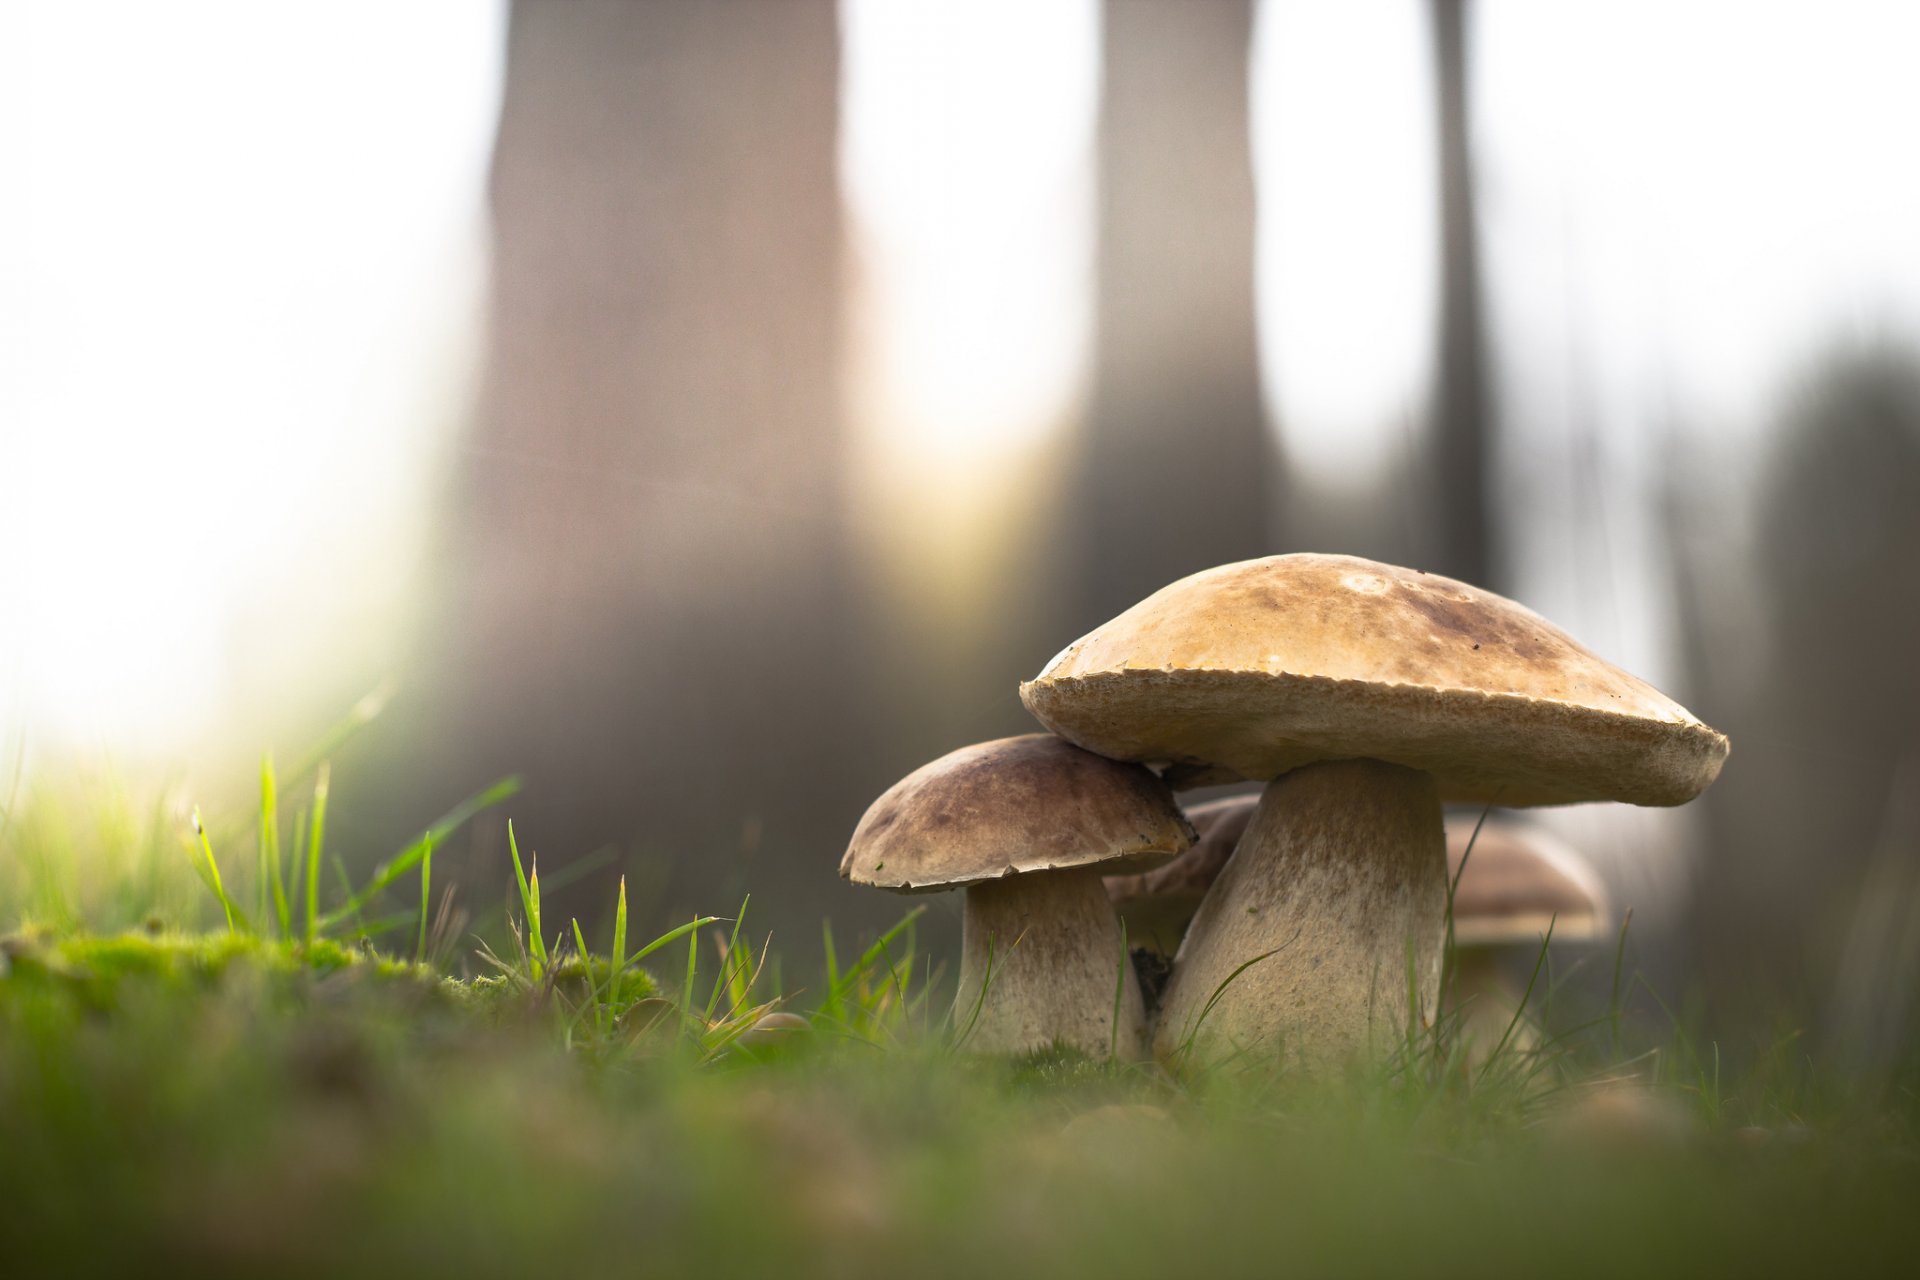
point(1364, 694)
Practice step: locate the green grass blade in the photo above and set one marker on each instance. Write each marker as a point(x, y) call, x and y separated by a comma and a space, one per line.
point(361, 714)
point(618, 958)
point(724, 980)
point(593, 989)
point(980, 998)
point(426, 897)
point(1520, 1010)
point(838, 989)
point(533, 923)
point(1613, 997)
point(316, 846)
point(830, 1007)
point(273, 887)
point(672, 936)
point(1192, 1032)
point(686, 995)
point(210, 872)
point(1119, 990)
point(409, 857)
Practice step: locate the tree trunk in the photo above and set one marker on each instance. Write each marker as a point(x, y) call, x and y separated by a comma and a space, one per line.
point(642, 577)
point(1462, 406)
point(1178, 460)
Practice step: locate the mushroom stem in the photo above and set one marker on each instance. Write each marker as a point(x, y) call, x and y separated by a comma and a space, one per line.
point(1342, 876)
point(1483, 1000)
point(1054, 946)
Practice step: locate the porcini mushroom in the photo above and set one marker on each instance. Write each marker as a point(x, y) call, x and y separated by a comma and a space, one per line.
point(1027, 825)
point(1517, 884)
point(1157, 905)
point(1363, 694)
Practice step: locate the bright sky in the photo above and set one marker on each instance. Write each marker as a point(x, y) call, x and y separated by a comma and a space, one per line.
point(238, 261)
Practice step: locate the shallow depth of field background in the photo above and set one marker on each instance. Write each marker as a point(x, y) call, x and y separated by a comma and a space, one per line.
point(711, 410)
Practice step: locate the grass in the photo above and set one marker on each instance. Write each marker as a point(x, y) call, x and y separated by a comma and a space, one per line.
point(212, 1064)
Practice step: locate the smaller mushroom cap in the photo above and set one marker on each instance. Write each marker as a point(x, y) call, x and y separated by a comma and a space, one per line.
point(1010, 807)
point(1519, 880)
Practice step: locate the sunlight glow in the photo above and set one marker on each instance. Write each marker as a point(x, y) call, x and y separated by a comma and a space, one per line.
point(236, 291)
point(967, 168)
point(1343, 145)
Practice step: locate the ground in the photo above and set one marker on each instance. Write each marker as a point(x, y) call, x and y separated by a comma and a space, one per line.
point(248, 1099)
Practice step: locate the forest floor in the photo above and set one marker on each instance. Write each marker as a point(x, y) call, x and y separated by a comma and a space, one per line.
point(251, 1095)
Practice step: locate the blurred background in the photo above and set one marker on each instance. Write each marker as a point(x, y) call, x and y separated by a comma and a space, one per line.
point(711, 409)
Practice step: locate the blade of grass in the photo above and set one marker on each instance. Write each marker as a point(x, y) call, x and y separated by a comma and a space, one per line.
point(724, 980)
point(210, 872)
point(686, 995)
point(271, 881)
point(426, 902)
point(830, 1007)
point(530, 904)
point(409, 857)
point(980, 998)
point(362, 713)
point(1186, 1043)
point(1520, 1010)
point(619, 960)
point(839, 988)
point(297, 866)
point(1613, 998)
point(593, 992)
point(316, 845)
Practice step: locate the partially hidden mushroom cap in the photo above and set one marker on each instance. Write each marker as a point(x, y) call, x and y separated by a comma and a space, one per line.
point(1005, 808)
point(1517, 881)
point(1253, 669)
point(1218, 826)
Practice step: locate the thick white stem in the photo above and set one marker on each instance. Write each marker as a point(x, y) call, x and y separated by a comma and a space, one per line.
point(1054, 947)
point(1342, 877)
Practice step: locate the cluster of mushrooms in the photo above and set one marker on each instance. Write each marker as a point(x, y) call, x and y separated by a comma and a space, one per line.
point(1310, 920)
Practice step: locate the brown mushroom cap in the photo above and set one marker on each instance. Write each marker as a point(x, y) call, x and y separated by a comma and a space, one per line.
point(1005, 808)
point(1253, 669)
point(1517, 882)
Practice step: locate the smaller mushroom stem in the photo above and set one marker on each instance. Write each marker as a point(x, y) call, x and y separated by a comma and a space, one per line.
point(1340, 884)
point(1040, 956)
point(1485, 1005)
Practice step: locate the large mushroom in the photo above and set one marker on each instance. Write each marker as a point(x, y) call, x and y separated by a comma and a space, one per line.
point(1028, 825)
point(1363, 694)
point(1518, 884)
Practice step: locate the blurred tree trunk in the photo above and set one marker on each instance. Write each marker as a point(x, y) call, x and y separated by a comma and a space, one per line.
point(1462, 407)
point(643, 578)
point(1177, 458)
point(1809, 893)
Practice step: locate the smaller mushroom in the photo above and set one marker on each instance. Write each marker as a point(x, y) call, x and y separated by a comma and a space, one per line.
point(1027, 825)
point(773, 1030)
point(1517, 883)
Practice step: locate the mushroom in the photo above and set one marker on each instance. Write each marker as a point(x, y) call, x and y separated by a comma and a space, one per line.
point(1028, 825)
point(1157, 905)
point(1518, 883)
point(1363, 694)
